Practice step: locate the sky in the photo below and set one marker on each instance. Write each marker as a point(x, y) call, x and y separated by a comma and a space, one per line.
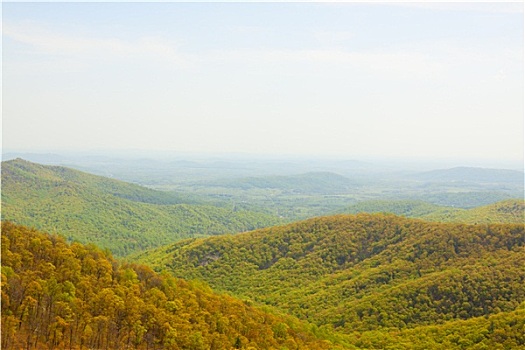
point(431, 80)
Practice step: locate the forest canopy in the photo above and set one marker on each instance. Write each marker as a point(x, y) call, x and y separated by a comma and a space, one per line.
point(56, 295)
point(364, 273)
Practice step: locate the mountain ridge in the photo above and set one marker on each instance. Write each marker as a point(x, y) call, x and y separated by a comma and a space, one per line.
point(363, 272)
point(113, 214)
point(60, 296)
point(464, 173)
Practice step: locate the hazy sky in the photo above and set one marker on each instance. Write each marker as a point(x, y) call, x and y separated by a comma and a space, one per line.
point(347, 79)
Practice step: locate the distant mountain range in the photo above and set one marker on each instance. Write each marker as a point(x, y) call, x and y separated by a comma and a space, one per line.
point(472, 174)
point(112, 214)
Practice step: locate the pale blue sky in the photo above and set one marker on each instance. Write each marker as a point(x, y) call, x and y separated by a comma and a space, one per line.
point(347, 79)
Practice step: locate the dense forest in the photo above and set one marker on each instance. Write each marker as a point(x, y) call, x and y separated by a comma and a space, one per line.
point(366, 273)
point(61, 296)
point(112, 214)
point(57, 295)
point(364, 281)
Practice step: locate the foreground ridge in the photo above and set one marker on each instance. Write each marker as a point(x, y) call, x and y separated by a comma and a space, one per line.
point(56, 295)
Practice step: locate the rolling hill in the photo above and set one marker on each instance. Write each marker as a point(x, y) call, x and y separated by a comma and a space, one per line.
point(372, 274)
point(507, 211)
point(60, 296)
point(113, 214)
point(364, 281)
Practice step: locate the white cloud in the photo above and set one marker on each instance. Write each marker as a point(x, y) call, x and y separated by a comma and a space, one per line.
point(387, 63)
point(418, 61)
point(42, 40)
point(463, 6)
point(330, 37)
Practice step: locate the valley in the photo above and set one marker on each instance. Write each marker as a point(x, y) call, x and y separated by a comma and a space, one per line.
point(292, 188)
point(262, 175)
point(129, 217)
point(315, 260)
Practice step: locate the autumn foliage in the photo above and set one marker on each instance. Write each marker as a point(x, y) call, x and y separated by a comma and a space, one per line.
point(60, 296)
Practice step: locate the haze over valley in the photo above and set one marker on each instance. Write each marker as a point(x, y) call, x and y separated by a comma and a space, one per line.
point(261, 175)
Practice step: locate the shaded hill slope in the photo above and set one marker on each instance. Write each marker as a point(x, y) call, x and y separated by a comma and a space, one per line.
point(507, 211)
point(113, 214)
point(61, 296)
point(365, 272)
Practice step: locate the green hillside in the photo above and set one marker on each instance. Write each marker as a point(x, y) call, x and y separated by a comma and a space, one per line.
point(406, 208)
point(112, 214)
point(364, 273)
point(507, 211)
point(18, 174)
point(60, 296)
point(503, 330)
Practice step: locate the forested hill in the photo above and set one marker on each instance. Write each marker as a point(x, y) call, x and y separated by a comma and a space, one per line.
point(507, 211)
point(368, 273)
point(21, 173)
point(60, 296)
point(116, 215)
